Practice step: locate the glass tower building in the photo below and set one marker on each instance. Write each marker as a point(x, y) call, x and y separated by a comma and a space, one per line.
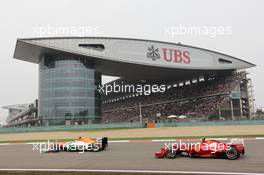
point(68, 91)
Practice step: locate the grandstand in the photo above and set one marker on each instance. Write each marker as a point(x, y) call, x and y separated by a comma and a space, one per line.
point(220, 97)
point(22, 115)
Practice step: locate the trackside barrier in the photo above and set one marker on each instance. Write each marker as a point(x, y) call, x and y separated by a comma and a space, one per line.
point(210, 123)
point(73, 127)
point(129, 125)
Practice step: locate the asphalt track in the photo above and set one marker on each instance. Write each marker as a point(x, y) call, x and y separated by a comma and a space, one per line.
point(129, 156)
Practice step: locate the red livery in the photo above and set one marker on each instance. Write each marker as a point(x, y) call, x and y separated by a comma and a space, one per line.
point(206, 148)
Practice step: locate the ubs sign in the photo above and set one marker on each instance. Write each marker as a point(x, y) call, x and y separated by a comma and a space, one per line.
point(169, 55)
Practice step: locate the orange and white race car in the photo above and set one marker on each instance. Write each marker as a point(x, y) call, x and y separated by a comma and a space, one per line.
point(81, 145)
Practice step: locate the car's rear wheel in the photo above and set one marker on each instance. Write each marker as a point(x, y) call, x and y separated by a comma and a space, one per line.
point(171, 154)
point(243, 152)
point(95, 149)
point(232, 153)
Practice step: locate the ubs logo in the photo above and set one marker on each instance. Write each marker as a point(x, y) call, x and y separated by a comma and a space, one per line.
point(153, 53)
point(169, 55)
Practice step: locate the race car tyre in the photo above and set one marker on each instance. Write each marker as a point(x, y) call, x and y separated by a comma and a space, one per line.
point(56, 150)
point(52, 150)
point(72, 149)
point(171, 154)
point(232, 153)
point(191, 155)
point(95, 149)
point(243, 153)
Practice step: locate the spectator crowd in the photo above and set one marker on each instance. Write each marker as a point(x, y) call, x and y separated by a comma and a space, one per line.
point(191, 97)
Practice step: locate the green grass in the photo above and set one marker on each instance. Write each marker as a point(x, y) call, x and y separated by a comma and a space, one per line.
point(141, 138)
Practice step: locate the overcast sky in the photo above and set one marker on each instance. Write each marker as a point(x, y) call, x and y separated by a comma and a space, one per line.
point(240, 24)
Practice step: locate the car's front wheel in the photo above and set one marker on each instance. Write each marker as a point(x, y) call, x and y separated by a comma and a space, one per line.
point(171, 154)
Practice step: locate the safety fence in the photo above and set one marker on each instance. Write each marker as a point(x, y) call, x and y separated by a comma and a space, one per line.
point(129, 125)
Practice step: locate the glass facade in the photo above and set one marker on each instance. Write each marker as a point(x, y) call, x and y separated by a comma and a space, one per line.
point(67, 91)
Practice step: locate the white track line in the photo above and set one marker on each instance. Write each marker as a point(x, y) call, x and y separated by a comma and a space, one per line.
point(164, 140)
point(132, 171)
point(118, 141)
point(259, 138)
point(1, 144)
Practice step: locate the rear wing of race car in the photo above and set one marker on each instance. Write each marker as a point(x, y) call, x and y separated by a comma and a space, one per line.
point(103, 141)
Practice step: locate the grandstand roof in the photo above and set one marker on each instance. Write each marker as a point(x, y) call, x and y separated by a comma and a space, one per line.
point(17, 106)
point(132, 59)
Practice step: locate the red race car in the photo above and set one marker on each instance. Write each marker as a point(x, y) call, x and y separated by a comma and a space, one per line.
point(206, 148)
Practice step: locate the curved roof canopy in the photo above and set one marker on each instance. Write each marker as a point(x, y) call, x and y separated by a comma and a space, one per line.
point(132, 58)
